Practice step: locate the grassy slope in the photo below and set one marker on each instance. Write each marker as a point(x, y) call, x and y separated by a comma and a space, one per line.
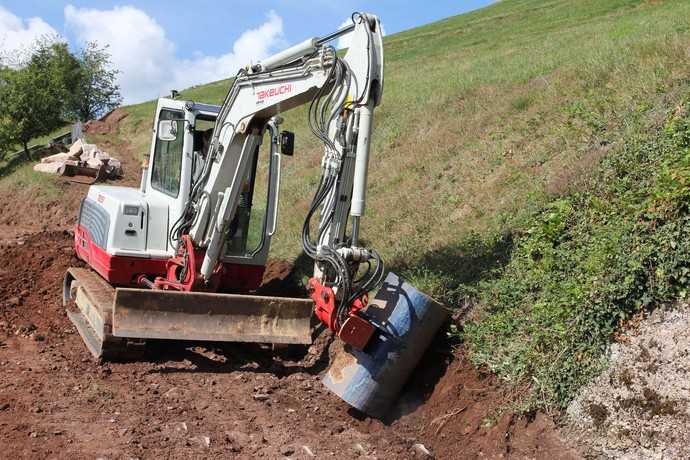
point(484, 112)
point(16, 174)
point(486, 119)
point(589, 263)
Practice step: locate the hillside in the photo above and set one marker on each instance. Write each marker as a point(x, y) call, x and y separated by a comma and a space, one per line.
point(530, 169)
point(486, 114)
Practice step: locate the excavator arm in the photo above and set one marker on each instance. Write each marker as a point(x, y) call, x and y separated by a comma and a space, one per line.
point(342, 93)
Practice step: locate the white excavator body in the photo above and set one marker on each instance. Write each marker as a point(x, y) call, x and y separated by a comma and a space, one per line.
point(180, 256)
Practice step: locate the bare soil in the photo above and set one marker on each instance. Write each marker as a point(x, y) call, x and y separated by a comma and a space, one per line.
point(21, 214)
point(107, 124)
point(202, 400)
point(185, 400)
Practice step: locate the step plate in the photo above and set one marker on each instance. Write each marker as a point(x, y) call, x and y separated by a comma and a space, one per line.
point(153, 314)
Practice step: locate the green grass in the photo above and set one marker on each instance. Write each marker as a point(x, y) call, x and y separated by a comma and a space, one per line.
point(17, 174)
point(41, 186)
point(498, 134)
point(14, 157)
point(486, 113)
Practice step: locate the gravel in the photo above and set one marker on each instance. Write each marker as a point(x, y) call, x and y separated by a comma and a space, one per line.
point(638, 408)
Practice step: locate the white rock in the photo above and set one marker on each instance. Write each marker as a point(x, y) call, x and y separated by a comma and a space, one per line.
point(76, 149)
point(421, 451)
point(58, 157)
point(50, 168)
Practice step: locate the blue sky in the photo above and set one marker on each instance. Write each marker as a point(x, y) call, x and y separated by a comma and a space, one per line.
point(154, 43)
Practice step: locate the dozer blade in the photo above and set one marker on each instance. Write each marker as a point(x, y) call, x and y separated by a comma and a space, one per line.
point(88, 299)
point(154, 314)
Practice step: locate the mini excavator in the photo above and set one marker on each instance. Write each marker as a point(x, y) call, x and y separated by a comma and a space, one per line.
point(179, 257)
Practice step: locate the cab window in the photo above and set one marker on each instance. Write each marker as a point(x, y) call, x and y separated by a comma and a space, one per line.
point(247, 227)
point(167, 157)
point(203, 130)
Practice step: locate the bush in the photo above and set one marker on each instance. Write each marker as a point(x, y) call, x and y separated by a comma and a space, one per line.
point(586, 264)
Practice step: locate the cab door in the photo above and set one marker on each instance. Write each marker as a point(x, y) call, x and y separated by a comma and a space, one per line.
point(255, 221)
point(169, 174)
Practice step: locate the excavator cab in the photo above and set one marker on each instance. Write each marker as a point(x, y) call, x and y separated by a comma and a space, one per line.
point(126, 235)
point(184, 154)
point(181, 145)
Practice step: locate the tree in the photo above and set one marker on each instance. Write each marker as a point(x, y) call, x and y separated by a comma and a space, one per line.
point(5, 142)
point(45, 88)
point(32, 95)
point(96, 92)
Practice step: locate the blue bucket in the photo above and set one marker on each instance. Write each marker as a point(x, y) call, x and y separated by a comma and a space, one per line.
point(370, 380)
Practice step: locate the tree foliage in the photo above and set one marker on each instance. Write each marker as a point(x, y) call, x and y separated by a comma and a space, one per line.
point(96, 92)
point(51, 87)
point(33, 95)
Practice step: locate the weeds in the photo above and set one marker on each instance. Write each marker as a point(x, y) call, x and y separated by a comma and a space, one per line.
point(46, 187)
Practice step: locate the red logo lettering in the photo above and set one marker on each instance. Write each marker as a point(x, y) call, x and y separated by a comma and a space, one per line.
point(275, 91)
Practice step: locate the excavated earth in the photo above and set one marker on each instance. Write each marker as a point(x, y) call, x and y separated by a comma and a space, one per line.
point(202, 400)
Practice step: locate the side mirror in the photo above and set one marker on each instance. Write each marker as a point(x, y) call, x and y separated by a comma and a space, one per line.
point(167, 130)
point(287, 143)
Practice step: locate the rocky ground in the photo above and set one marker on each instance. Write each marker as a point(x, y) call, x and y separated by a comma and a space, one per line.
point(202, 400)
point(639, 407)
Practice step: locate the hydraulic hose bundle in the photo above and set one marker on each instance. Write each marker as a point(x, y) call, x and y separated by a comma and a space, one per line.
point(329, 103)
point(332, 119)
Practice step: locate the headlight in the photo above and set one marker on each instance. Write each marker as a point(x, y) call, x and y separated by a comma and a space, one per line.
point(131, 210)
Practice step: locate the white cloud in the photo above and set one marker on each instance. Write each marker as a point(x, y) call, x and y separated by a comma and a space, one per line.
point(138, 46)
point(345, 40)
point(147, 58)
point(17, 34)
point(252, 46)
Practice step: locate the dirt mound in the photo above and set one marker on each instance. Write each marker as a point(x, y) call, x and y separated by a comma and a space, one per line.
point(465, 414)
point(24, 212)
point(280, 280)
point(30, 292)
point(107, 124)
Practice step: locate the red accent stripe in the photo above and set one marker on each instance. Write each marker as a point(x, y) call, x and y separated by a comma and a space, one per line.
point(119, 270)
point(124, 271)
